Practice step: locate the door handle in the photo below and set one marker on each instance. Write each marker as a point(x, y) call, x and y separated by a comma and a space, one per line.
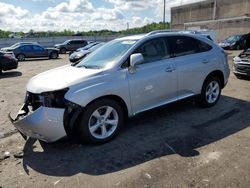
point(169, 69)
point(204, 61)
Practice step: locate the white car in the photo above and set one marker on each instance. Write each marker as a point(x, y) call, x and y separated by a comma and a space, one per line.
point(124, 77)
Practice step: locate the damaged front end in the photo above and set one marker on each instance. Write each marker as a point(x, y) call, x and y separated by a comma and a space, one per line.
point(42, 116)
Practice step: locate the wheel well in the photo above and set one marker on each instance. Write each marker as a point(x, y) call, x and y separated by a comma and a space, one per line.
point(217, 74)
point(20, 54)
point(117, 99)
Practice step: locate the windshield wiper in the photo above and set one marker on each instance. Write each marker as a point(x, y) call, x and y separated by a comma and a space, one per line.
point(89, 66)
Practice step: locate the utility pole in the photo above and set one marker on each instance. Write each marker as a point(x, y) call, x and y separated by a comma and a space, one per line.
point(127, 25)
point(164, 8)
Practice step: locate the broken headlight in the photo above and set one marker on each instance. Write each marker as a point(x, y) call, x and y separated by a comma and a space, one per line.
point(53, 99)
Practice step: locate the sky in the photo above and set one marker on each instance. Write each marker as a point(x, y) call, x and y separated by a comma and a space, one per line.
point(82, 15)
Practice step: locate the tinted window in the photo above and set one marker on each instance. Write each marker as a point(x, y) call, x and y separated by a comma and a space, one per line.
point(37, 48)
point(153, 50)
point(81, 42)
point(26, 48)
point(203, 47)
point(183, 45)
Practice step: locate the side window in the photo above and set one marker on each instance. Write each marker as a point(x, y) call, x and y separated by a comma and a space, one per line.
point(37, 48)
point(203, 47)
point(183, 45)
point(26, 48)
point(153, 50)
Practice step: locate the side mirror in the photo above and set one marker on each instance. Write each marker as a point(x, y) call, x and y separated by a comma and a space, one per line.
point(135, 59)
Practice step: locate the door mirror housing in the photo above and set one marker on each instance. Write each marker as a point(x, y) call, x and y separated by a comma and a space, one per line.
point(136, 59)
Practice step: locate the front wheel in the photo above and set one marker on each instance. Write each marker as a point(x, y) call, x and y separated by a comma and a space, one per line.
point(100, 122)
point(21, 57)
point(53, 55)
point(63, 50)
point(210, 93)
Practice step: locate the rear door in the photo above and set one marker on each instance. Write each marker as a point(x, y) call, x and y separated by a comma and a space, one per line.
point(193, 59)
point(39, 51)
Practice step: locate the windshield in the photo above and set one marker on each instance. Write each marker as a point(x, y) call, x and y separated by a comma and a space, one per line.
point(232, 39)
point(14, 45)
point(95, 47)
point(107, 54)
point(87, 47)
point(66, 42)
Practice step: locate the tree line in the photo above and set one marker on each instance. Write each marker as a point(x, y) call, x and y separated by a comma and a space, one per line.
point(144, 29)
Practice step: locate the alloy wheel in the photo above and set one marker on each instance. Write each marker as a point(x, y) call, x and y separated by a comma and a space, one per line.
point(212, 92)
point(103, 122)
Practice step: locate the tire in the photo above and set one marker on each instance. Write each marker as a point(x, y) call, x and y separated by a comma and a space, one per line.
point(95, 127)
point(211, 91)
point(21, 57)
point(237, 47)
point(53, 55)
point(63, 50)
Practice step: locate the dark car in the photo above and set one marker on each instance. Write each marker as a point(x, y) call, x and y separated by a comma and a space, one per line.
point(234, 42)
point(16, 44)
point(90, 44)
point(241, 64)
point(80, 53)
point(24, 51)
point(71, 45)
point(7, 61)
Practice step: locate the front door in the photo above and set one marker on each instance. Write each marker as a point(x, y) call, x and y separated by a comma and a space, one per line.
point(154, 82)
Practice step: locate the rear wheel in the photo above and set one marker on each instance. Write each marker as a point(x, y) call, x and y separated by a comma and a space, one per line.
point(101, 121)
point(21, 57)
point(211, 91)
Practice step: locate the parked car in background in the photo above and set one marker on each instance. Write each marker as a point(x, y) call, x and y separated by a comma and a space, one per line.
point(234, 42)
point(24, 51)
point(80, 53)
point(89, 45)
point(90, 100)
point(15, 45)
point(7, 61)
point(71, 45)
point(241, 64)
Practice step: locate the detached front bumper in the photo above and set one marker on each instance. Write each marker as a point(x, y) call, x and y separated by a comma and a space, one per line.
point(44, 123)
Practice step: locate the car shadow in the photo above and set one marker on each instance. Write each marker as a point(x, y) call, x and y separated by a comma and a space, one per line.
point(9, 74)
point(179, 128)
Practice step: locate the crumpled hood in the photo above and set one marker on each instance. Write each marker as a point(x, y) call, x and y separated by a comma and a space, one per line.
point(59, 78)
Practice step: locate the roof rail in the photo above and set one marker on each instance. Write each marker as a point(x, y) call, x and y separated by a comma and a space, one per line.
point(172, 30)
point(160, 31)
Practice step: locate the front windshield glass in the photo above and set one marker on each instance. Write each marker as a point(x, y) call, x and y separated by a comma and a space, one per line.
point(66, 42)
point(107, 54)
point(14, 45)
point(232, 39)
point(93, 48)
point(87, 47)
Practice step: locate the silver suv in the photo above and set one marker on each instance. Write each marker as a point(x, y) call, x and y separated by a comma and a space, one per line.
point(126, 76)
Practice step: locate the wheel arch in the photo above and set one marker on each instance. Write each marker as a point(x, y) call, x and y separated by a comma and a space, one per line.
point(71, 117)
point(219, 74)
point(116, 98)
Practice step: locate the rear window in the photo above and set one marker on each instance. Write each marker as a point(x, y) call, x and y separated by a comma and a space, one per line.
point(184, 45)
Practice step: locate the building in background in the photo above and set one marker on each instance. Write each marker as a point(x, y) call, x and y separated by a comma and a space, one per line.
point(226, 17)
